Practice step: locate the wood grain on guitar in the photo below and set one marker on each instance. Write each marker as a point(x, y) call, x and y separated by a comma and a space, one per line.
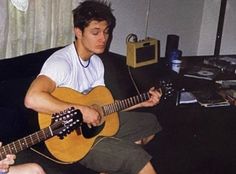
point(77, 144)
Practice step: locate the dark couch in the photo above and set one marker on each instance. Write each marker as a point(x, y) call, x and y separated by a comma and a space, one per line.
point(17, 73)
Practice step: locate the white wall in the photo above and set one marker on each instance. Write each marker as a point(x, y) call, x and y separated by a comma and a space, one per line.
point(181, 17)
point(195, 21)
point(209, 25)
point(228, 44)
point(3, 16)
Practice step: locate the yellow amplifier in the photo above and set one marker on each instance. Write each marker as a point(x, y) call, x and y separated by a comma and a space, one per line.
point(141, 53)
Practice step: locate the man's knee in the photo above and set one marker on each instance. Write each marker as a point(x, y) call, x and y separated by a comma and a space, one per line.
point(36, 169)
point(145, 140)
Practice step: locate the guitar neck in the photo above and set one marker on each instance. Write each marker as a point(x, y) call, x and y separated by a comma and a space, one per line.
point(25, 142)
point(124, 104)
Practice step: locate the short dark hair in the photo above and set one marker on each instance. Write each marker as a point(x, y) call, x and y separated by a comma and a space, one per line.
point(89, 10)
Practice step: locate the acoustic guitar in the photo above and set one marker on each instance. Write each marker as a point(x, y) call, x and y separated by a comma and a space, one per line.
point(61, 124)
point(77, 144)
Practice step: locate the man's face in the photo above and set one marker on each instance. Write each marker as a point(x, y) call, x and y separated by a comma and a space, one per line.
point(94, 37)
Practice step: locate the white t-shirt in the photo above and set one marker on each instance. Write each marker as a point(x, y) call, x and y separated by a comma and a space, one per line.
point(65, 69)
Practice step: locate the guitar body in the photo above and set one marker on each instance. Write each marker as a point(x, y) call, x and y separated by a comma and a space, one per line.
point(75, 145)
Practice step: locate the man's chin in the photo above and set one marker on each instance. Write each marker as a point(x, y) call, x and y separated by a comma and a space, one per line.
point(99, 51)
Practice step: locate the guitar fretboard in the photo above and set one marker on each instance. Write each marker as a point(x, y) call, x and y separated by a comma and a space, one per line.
point(126, 103)
point(25, 142)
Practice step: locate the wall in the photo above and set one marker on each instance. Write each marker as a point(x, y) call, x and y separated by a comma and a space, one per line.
point(3, 35)
point(209, 24)
point(166, 17)
point(195, 21)
point(228, 44)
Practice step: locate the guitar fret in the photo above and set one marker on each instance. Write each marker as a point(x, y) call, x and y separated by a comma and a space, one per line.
point(14, 147)
point(119, 106)
point(38, 138)
point(126, 103)
point(109, 109)
point(20, 145)
point(41, 135)
point(104, 108)
point(131, 101)
point(8, 149)
point(113, 108)
point(134, 99)
point(44, 135)
point(25, 142)
point(31, 139)
point(44, 131)
point(5, 152)
point(114, 105)
point(123, 104)
point(17, 145)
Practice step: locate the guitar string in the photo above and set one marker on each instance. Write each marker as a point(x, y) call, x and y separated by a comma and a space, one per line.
point(28, 141)
point(25, 142)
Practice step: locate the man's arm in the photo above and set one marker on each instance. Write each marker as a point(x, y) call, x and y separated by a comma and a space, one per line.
point(39, 98)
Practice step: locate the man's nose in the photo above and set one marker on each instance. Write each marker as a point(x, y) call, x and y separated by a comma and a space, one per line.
point(103, 37)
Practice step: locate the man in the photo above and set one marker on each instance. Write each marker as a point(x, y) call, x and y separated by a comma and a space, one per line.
point(29, 168)
point(77, 66)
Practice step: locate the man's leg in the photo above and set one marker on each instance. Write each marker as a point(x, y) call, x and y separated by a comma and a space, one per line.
point(29, 168)
point(148, 169)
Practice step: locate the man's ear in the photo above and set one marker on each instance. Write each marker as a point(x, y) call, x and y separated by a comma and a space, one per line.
point(78, 32)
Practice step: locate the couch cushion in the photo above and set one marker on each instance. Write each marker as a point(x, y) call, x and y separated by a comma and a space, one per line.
point(12, 109)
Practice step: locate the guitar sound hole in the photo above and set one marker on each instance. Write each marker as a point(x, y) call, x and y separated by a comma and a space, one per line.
point(91, 132)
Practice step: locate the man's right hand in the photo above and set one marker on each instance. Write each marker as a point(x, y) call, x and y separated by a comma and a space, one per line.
point(91, 115)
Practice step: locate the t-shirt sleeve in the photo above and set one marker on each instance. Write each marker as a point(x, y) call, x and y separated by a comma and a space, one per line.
point(56, 69)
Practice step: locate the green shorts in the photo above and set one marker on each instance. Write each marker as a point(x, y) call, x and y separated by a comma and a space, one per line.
point(119, 154)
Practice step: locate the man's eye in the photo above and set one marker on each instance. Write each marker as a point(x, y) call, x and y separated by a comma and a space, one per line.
point(95, 33)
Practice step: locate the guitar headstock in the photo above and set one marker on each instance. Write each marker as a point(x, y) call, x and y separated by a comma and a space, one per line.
point(167, 88)
point(65, 122)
